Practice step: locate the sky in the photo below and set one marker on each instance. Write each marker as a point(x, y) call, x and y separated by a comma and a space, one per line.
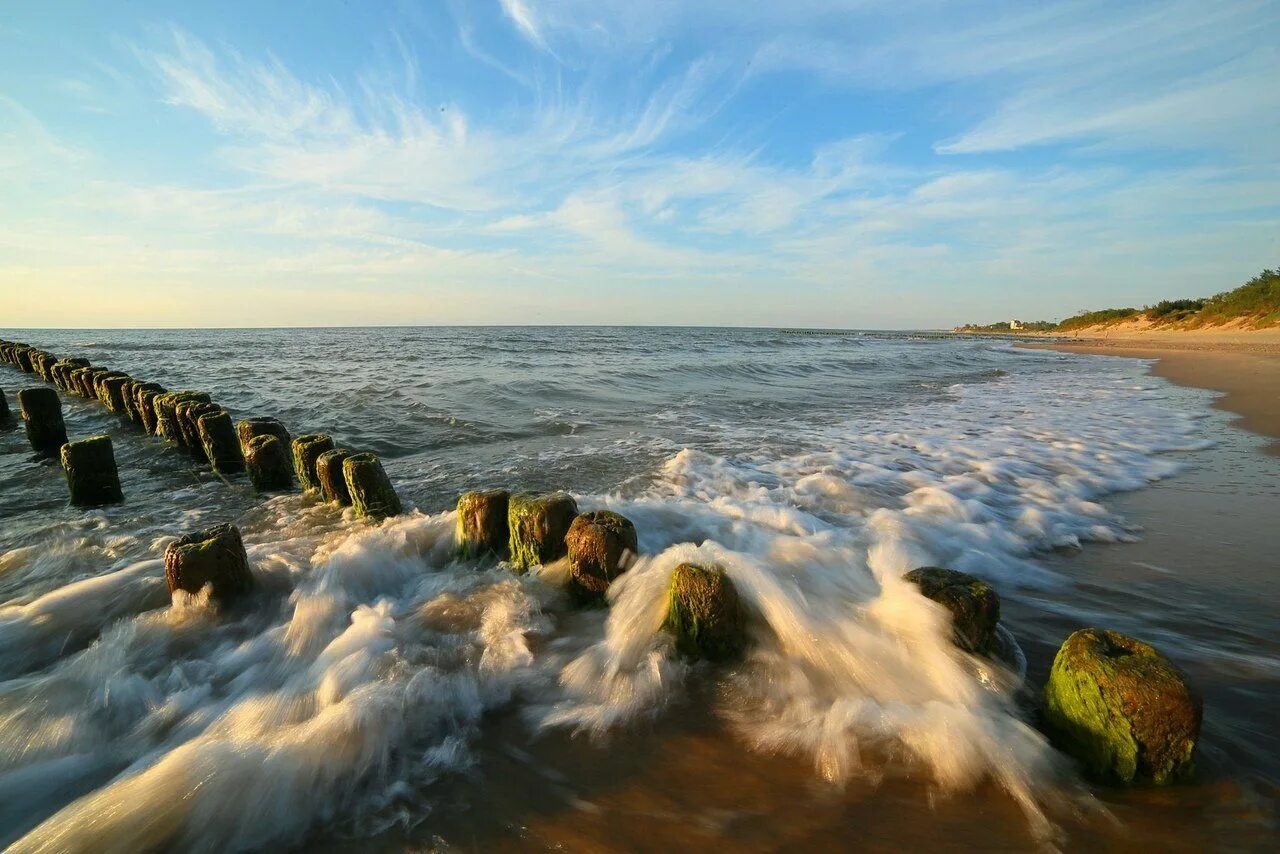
point(851, 163)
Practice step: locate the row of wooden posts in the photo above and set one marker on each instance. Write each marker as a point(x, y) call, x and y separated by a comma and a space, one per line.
point(260, 447)
point(1113, 702)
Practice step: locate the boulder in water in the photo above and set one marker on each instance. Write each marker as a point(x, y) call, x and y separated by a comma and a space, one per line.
point(215, 557)
point(482, 523)
point(974, 605)
point(602, 545)
point(704, 614)
point(536, 528)
point(92, 477)
point(1122, 709)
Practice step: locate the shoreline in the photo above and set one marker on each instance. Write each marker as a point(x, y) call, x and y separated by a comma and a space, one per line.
point(1245, 374)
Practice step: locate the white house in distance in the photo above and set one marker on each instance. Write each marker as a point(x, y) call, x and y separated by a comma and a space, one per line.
point(1015, 325)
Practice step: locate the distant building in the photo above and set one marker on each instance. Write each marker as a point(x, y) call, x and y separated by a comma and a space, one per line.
point(1015, 325)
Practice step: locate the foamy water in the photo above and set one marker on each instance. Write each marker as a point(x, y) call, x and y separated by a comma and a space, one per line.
point(815, 470)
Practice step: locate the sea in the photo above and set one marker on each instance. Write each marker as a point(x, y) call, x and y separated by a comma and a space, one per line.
point(377, 693)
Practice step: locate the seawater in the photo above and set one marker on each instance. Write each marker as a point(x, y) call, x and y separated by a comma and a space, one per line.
point(816, 469)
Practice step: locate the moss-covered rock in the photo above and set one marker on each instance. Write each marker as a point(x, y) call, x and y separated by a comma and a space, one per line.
point(92, 477)
point(42, 413)
point(704, 614)
point(536, 528)
point(482, 523)
point(372, 495)
point(247, 428)
point(269, 464)
point(601, 546)
point(333, 483)
point(1122, 709)
point(221, 446)
point(215, 557)
point(306, 450)
point(974, 605)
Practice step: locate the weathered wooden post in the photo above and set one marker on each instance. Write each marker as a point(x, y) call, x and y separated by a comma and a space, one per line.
point(372, 495)
point(333, 483)
point(6, 417)
point(306, 450)
point(536, 527)
point(215, 557)
point(186, 413)
point(704, 613)
point(42, 412)
point(92, 476)
point(268, 463)
point(602, 545)
point(247, 428)
point(145, 395)
point(482, 523)
point(221, 446)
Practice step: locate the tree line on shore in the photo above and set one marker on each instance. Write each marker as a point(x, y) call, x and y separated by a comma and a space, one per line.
point(1256, 302)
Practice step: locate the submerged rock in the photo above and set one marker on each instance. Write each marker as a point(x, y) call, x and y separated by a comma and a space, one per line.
point(333, 483)
point(601, 545)
point(482, 523)
point(1122, 709)
point(42, 412)
point(974, 605)
point(704, 613)
point(216, 557)
point(268, 463)
point(536, 528)
point(372, 495)
point(306, 450)
point(92, 477)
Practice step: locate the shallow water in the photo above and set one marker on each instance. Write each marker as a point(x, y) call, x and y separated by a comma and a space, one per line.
point(373, 688)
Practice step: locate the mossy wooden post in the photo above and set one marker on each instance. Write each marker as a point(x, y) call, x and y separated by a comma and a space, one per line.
point(130, 401)
point(221, 446)
point(536, 527)
point(108, 391)
point(24, 359)
point(268, 463)
point(974, 606)
point(1122, 709)
point(333, 483)
point(6, 417)
point(306, 450)
point(92, 477)
point(372, 495)
point(482, 523)
point(704, 614)
point(42, 412)
point(166, 405)
point(602, 545)
point(187, 414)
point(215, 557)
point(145, 395)
point(247, 428)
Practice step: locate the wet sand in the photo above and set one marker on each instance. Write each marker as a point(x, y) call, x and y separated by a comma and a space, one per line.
point(1199, 584)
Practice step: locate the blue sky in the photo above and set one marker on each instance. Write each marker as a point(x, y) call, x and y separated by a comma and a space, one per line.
point(851, 163)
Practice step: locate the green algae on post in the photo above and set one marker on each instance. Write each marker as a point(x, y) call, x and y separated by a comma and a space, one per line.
point(482, 523)
point(704, 614)
point(536, 528)
point(92, 477)
point(218, 438)
point(602, 544)
point(974, 605)
point(372, 495)
point(42, 412)
point(268, 463)
point(215, 557)
point(247, 428)
point(1122, 709)
point(306, 450)
point(333, 483)
point(6, 417)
